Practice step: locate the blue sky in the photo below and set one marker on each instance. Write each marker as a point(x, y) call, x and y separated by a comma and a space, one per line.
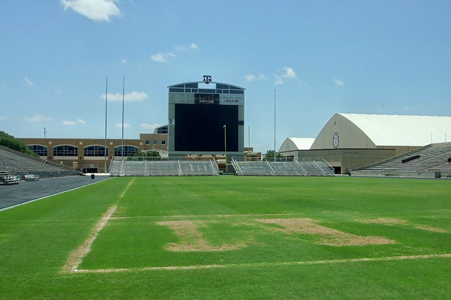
point(322, 57)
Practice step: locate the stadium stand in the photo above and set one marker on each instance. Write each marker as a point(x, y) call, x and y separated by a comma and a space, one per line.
point(20, 164)
point(163, 168)
point(429, 161)
point(313, 167)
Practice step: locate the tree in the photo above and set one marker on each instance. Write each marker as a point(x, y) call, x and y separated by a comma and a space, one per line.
point(11, 142)
point(149, 155)
point(270, 156)
point(154, 154)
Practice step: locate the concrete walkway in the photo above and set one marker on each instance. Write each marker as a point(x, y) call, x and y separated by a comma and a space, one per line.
point(26, 191)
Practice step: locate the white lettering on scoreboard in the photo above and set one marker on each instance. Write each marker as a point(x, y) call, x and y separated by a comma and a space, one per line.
point(231, 99)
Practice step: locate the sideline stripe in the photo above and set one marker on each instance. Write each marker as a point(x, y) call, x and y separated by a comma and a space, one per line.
point(269, 264)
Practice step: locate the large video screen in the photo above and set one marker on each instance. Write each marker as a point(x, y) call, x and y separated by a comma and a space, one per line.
point(200, 127)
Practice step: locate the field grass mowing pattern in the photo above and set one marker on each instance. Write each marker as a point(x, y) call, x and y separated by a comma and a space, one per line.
point(241, 243)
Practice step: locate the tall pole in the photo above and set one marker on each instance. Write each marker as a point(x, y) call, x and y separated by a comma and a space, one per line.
point(274, 125)
point(123, 106)
point(225, 145)
point(249, 137)
point(106, 122)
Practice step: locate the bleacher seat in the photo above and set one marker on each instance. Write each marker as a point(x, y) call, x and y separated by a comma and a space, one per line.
point(163, 168)
point(422, 162)
point(314, 167)
point(20, 164)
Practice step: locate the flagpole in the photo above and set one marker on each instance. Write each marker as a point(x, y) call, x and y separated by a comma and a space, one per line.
point(123, 105)
point(106, 123)
point(274, 125)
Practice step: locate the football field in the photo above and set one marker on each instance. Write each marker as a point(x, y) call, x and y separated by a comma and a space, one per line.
point(231, 237)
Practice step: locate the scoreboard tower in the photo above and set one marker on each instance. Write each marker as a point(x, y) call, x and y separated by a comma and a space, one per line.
point(206, 117)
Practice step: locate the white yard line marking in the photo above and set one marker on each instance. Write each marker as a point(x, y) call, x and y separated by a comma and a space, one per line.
point(268, 264)
point(184, 217)
point(76, 256)
point(126, 189)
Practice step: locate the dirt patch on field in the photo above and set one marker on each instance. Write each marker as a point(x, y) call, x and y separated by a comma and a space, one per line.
point(429, 228)
point(329, 236)
point(384, 221)
point(393, 222)
point(76, 256)
point(191, 238)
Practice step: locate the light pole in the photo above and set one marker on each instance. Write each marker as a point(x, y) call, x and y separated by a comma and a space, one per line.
point(123, 105)
point(106, 125)
point(225, 145)
point(274, 125)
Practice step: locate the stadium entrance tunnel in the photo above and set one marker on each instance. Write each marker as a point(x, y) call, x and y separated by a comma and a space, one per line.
point(337, 169)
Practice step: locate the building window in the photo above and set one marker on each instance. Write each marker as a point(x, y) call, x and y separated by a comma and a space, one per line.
point(128, 150)
point(162, 129)
point(163, 142)
point(155, 142)
point(95, 151)
point(38, 149)
point(65, 150)
point(147, 142)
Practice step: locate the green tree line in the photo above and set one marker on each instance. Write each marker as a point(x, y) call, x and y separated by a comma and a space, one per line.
point(11, 142)
point(149, 155)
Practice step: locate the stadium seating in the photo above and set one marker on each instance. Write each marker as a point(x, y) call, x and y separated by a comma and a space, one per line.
point(163, 168)
point(429, 161)
point(314, 167)
point(21, 164)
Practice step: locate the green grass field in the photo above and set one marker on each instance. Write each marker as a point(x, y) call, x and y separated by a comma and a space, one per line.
point(232, 238)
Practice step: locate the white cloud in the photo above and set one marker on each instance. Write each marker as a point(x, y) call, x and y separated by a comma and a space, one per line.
point(57, 92)
point(3, 118)
point(162, 57)
point(339, 83)
point(96, 10)
point(181, 48)
point(151, 127)
point(133, 96)
point(289, 73)
point(278, 81)
point(37, 118)
point(123, 61)
point(119, 125)
point(252, 77)
point(28, 81)
point(186, 48)
point(71, 123)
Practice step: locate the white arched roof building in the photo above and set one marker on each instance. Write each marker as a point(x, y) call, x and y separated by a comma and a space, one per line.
point(291, 144)
point(374, 131)
point(349, 141)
